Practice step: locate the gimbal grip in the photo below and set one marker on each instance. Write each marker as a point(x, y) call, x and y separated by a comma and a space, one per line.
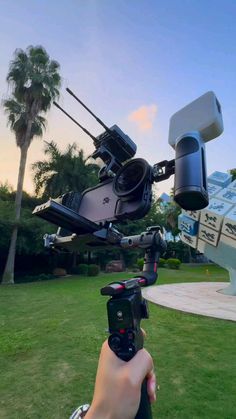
point(144, 410)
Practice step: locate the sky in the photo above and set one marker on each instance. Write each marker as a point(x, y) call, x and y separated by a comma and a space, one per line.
point(133, 62)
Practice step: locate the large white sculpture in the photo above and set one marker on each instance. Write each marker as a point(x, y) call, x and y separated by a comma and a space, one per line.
point(212, 231)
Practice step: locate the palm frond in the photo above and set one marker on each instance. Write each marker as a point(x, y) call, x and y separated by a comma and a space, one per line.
point(35, 82)
point(34, 76)
point(63, 171)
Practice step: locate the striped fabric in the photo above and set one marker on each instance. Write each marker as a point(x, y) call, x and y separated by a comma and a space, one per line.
point(80, 412)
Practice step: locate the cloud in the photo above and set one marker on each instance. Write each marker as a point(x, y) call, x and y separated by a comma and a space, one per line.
point(144, 117)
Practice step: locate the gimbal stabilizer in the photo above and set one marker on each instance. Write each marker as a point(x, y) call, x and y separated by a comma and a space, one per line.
point(124, 192)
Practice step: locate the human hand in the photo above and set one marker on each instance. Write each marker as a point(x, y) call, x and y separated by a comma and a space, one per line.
point(118, 385)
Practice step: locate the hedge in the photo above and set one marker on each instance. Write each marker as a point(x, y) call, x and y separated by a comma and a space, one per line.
point(173, 263)
point(93, 270)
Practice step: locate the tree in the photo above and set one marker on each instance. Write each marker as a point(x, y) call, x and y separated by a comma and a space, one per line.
point(63, 171)
point(172, 212)
point(233, 173)
point(6, 191)
point(35, 81)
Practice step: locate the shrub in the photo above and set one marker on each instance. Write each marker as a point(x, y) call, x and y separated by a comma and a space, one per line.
point(140, 263)
point(33, 278)
point(93, 270)
point(45, 277)
point(173, 263)
point(162, 262)
point(134, 268)
point(82, 269)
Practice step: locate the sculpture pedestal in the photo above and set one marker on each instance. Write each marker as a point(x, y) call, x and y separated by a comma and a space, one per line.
point(202, 298)
point(231, 289)
point(225, 256)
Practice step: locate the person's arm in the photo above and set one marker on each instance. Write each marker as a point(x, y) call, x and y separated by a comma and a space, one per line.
point(118, 385)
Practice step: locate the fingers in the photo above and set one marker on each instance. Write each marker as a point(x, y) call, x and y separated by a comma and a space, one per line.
point(138, 368)
point(151, 386)
point(144, 333)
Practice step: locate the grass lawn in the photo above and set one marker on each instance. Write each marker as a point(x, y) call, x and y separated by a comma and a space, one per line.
point(51, 333)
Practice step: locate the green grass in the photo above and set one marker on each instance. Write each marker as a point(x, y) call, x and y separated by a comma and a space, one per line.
point(51, 333)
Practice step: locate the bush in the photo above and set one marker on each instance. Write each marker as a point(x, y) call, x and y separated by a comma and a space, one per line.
point(134, 268)
point(179, 250)
point(173, 263)
point(45, 277)
point(93, 270)
point(33, 278)
point(161, 263)
point(82, 269)
point(140, 263)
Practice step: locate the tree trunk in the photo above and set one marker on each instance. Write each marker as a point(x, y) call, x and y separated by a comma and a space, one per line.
point(190, 254)
point(122, 258)
point(8, 275)
point(89, 258)
point(74, 259)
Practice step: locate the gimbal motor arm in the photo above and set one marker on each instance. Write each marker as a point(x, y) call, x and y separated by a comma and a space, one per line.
point(152, 241)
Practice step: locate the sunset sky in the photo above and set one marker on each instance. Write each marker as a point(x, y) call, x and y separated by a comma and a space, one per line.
point(134, 62)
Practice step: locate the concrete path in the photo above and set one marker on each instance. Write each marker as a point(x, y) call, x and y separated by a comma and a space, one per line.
point(199, 298)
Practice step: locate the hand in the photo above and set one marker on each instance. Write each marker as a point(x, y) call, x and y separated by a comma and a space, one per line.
point(118, 385)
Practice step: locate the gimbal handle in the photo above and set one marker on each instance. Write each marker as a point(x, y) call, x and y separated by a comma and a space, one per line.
point(144, 410)
point(125, 309)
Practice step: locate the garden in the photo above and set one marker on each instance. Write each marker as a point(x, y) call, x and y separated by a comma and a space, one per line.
point(52, 316)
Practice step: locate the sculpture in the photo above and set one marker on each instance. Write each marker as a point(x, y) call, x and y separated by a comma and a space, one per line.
point(212, 231)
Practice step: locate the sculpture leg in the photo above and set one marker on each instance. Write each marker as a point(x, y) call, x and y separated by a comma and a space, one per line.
point(231, 289)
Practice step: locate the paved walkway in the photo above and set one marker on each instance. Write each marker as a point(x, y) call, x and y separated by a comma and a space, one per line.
point(199, 298)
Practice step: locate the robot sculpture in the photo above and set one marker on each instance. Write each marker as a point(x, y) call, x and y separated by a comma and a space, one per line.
point(212, 231)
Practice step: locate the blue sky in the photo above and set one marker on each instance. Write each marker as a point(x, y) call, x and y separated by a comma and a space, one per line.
point(134, 62)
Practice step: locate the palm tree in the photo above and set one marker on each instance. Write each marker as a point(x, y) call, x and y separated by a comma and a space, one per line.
point(63, 171)
point(35, 81)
